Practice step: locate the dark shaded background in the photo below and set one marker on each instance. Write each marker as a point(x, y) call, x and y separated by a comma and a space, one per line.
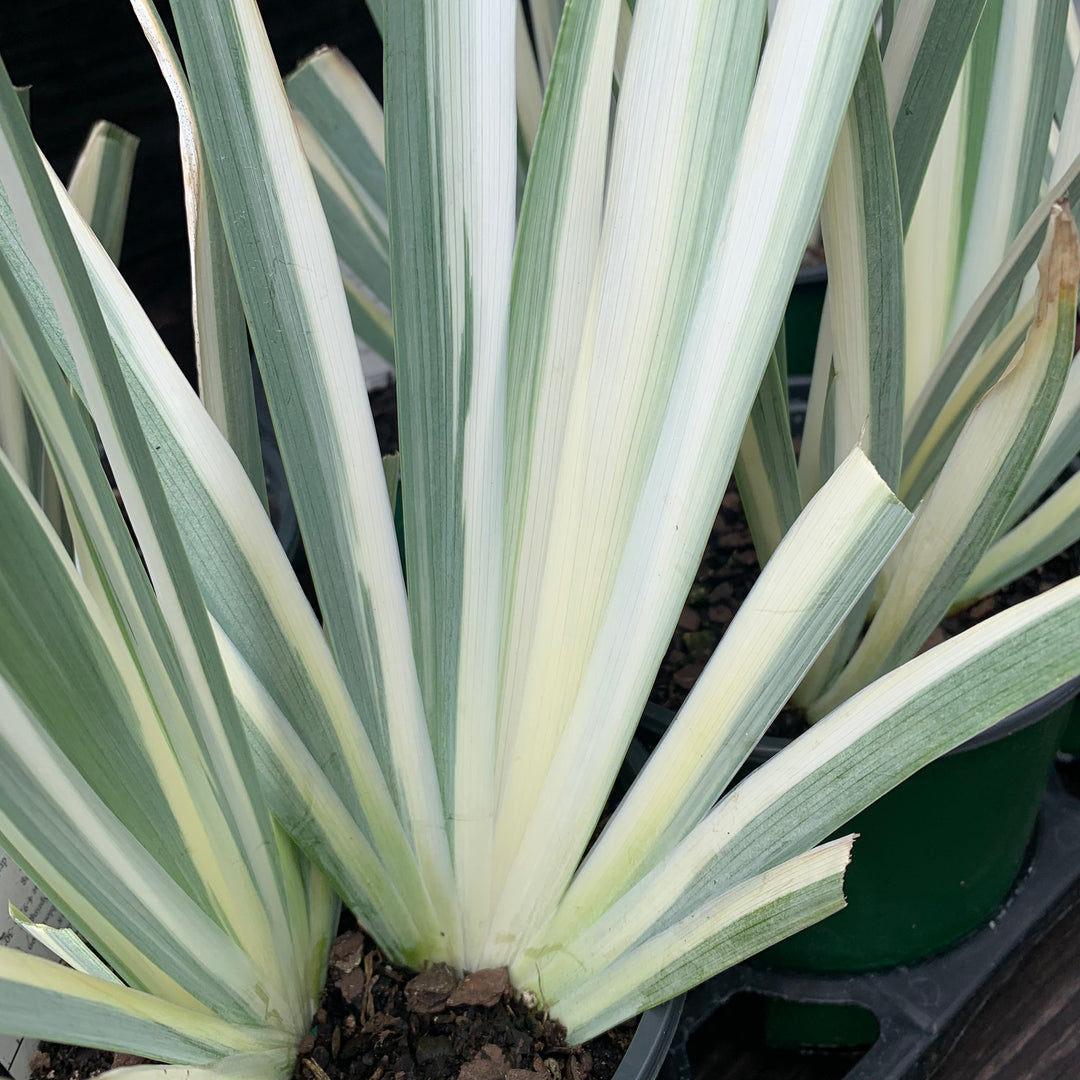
point(87, 60)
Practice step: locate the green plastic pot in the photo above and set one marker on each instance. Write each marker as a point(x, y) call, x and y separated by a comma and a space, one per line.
point(802, 319)
point(937, 855)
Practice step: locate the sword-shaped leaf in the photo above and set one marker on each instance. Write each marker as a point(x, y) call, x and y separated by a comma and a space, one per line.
point(451, 158)
point(298, 318)
point(807, 72)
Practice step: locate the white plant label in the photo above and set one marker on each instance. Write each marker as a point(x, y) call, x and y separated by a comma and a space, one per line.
point(17, 889)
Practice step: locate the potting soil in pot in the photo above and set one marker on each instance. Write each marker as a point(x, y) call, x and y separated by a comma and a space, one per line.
point(378, 1022)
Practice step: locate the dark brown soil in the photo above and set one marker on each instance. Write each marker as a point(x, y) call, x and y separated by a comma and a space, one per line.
point(378, 1022)
point(54, 1061)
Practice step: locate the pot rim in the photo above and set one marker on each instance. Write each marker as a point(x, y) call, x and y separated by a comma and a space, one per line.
point(1024, 717)
point(651, 1042)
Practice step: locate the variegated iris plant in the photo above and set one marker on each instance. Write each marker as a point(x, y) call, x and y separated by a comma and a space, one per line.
point(576, 357)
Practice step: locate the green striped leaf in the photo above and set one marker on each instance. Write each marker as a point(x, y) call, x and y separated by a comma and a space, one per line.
point(863, 236)
point(1013, 152)
point(221, 343)
point(530, 91)
point(105, 882)
point(959, 518)
point(341, 127)
point(924, 466)
point(346, 116)
point(101, 182)
point(197, 712)
point(19, 440)
point(361, 239)
point(923, 57)
point(933, 241)
point(559, 229)
point(1059, 446)
point(244, 575)
point(66, 664)
point(40, 999)
point(1051, 528)
point(765, 470)
point(121, 575)
point(451, 153)
point(306, 806)
point(985, 312)
point(66, 944)
point(752, 916)
point(297, 315)
point(546, 17)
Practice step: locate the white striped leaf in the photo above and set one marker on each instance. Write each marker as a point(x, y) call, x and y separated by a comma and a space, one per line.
point(959, 518)
point(736, 925)
point(101, 183)
point(806, 76)
point(19, 440)
point(222, 359)
point(933, 240)
point(1059, 446)
point(118, 565)
point(243, 574)
point(66, 663)
point(546, 17)
point(530, 91)
point(104, 881)
point(765, 470)
point(924, 466)
point(923, 56)
point(888, 21)
point(260, 1065)
point(361, 239)
point(346, 116)
point(862, 232)
point(667, 190)
point(875, 739)
point(297, 315)
point(66, 944)
point(451, 153)
point(982, 316)
point(1013, 152)
point(555, 262)
point(40, 999)
point(197, 712)
point(340, 123)
point(322, 826)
